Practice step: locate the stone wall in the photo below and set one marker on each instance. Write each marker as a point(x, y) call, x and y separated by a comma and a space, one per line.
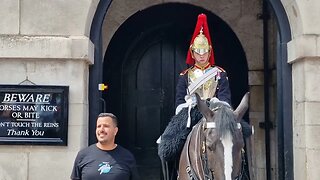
point(303, 54)
point(46, 43)
point(44, 39)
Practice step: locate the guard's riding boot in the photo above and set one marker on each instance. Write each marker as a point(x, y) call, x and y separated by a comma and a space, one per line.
point(169, 169)
point(165, 169)
point(247, 130)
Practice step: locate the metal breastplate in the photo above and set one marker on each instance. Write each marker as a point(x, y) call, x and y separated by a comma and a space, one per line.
point(208, 88)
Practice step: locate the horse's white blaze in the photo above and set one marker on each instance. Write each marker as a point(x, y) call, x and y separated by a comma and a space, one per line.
point(227, 145)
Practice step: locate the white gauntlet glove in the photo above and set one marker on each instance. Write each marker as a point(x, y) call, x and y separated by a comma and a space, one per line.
point(191, 101)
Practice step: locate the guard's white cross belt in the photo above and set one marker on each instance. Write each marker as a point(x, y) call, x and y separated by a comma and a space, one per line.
point(202, 79)
point(192, 88)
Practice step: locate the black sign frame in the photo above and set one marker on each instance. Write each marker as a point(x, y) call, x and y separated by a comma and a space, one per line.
point(35, 115)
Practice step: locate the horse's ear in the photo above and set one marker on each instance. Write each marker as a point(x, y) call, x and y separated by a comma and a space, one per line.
point(203, 108)
point(243, 107)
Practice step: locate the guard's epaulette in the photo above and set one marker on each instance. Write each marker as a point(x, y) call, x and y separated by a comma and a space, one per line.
point(221, 69)
point(185, 71)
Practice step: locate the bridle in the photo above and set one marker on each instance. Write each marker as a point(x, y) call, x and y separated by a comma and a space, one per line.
point(208, 174)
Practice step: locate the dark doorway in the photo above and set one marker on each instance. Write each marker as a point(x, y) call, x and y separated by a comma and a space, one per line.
point(142, 64)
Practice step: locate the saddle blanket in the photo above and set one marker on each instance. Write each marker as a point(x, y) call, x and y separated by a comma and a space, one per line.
point(176, 133)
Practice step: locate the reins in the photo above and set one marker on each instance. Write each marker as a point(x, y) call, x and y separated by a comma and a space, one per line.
point(189, 169)
point(204, 159)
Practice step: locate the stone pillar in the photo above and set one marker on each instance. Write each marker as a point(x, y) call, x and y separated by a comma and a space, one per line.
point(304, 56)
point(47, 61)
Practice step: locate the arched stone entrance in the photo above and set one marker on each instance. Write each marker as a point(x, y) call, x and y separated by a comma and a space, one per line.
point(117, 105)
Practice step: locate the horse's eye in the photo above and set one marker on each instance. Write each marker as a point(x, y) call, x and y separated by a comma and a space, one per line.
point(211, 147)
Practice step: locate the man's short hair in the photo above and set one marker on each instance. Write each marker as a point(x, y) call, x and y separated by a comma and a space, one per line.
point(112, 116)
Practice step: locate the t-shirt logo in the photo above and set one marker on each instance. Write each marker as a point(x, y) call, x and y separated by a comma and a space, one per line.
point(104, 168)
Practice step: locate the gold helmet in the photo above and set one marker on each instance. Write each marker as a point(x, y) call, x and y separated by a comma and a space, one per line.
point(200, 42)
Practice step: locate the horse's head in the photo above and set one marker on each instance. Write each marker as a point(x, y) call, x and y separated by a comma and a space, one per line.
point(223, 137)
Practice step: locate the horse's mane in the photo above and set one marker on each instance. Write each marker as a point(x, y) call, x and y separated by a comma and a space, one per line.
point(224, 118)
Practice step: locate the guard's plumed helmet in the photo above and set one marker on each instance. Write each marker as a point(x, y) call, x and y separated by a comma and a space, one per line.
point(200, 42)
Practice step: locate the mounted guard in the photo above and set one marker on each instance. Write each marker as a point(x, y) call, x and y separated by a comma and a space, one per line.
point(202, 77)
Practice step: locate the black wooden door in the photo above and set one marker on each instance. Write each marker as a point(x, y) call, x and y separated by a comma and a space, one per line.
point(149, 77)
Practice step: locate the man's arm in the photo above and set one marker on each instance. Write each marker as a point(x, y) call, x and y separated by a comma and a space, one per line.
point(76, 171)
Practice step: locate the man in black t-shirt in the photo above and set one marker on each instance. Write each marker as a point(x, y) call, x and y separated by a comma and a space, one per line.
point(105, 159)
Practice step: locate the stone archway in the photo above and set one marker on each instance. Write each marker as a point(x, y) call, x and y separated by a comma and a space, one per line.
point(283, 70)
